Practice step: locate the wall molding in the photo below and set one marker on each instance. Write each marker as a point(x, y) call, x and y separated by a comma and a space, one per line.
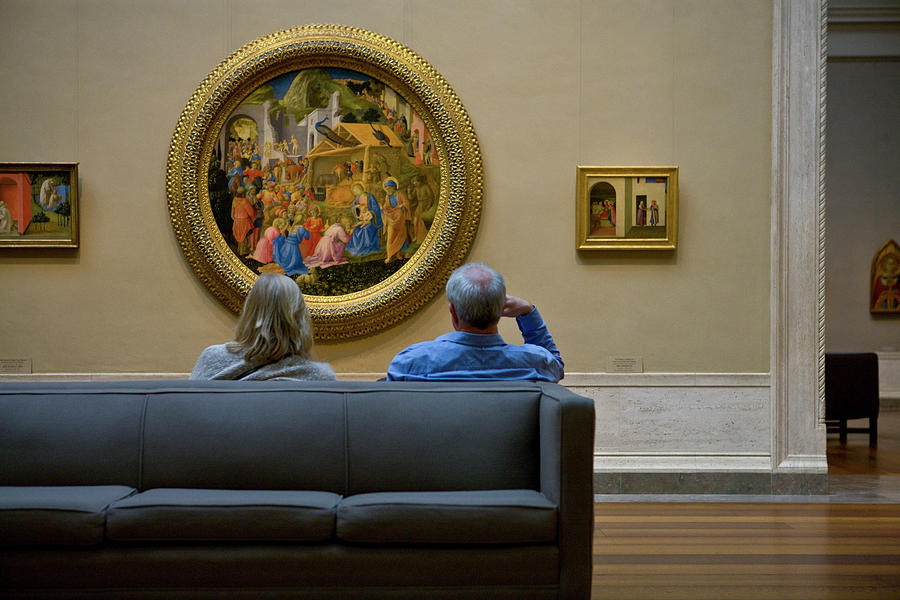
point(583, 380)
point(889, 380)
point(797, 305)
point(572, 380)
point(863, 13)
point(890, 387)
point(673, 462)
point(864, 33)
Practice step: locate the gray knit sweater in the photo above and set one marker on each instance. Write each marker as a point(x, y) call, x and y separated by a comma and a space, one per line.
point(217, 362)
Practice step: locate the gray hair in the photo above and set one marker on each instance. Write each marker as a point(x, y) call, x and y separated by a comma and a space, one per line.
point(477, 293)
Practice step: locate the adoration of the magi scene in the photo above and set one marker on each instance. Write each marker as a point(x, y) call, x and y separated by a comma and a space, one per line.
point(326, 175)
point(35, 203)
point(628, 207)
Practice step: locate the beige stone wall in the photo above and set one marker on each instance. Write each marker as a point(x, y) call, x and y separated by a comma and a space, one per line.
point(548, 85)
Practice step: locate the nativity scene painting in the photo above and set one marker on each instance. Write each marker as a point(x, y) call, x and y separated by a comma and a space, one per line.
point(326, 175)
point(627, 207)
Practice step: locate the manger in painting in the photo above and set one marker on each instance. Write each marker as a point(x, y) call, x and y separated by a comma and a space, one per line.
point(326, 175)
point(627, 207)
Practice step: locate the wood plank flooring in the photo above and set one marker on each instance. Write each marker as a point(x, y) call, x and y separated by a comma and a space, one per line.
point(758, 551)
point(698, 551)
point(856, 458)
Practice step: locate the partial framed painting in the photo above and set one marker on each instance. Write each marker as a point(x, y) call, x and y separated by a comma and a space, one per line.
point(38, 205)
point(885, 296)
point(626, 208)
point(337, 157)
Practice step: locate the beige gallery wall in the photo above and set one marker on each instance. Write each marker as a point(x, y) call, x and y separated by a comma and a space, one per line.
point(548, 84)
point(863, 208)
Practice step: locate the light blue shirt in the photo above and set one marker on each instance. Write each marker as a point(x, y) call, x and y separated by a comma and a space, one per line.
point(461, 356)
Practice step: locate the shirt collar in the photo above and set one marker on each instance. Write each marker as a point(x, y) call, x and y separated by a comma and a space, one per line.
point(473, 339)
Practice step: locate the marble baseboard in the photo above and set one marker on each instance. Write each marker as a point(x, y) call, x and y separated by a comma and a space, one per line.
point(787, 484)
point(889, 380)
point(679, 423)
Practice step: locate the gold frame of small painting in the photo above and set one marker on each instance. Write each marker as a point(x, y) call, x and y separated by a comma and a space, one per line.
point(626, 208)
point(336, 130)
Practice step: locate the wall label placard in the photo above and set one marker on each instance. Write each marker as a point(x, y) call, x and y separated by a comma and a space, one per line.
point(626, 364)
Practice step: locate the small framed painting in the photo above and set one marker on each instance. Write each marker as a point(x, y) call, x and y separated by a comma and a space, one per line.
point(626, 208)
point(885, 296)
point(39, 205)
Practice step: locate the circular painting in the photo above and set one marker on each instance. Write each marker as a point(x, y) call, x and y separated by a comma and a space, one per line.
point(337, 157)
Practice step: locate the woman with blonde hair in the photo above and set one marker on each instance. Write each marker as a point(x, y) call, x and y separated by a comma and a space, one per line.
point(273, 338)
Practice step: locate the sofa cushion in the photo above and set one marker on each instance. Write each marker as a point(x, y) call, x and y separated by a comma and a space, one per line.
point(66, 434)
point(407, 436)
point(222, 515)
point(57, 515)
point(251, 438)
point(470, 517)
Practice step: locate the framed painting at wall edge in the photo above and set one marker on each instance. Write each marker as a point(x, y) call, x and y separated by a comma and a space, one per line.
point(39, 205)
point(885, 278)
point(626, 208)
point(336, 156)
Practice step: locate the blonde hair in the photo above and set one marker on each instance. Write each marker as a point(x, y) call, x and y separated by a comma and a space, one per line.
point(274, 322)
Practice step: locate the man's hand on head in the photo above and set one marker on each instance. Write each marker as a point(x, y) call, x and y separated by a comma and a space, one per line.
point(516, 307)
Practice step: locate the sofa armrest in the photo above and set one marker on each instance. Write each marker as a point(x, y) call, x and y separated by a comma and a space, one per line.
point(567, 451)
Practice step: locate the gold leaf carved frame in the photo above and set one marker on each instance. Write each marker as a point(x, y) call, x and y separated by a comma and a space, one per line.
point(317, 46)
point(626, 230)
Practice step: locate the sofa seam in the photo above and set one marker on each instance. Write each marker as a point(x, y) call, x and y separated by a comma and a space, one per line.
point(346, 444)
point(74, 511)
point(141, 439)
point(225, 506)
point(369, 387)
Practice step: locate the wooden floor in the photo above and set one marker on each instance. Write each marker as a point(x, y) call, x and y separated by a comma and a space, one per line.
point(856, 458)
point(722, 551)
point(758, 551)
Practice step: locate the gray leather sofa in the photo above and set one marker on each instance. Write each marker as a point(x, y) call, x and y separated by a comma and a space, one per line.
point(295, 490)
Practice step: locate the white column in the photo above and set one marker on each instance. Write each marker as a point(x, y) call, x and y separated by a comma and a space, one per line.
point(797, 259)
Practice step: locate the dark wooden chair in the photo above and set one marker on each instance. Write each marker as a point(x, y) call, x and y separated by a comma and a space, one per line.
point(851, 392)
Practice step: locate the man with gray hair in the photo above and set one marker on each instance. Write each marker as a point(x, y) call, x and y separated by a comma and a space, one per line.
point(475, 350)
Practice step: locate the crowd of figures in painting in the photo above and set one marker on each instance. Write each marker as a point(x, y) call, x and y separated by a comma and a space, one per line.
point(333, 189)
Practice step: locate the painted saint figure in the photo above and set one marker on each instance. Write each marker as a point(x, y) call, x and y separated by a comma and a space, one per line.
point(641, 217)
point(286, 250)
point(396, 214)
point(314, 225)
point(50, 198)
point(7, 223)
point(235, 177)
point(420, 199)
point(330, 250)
point(265, 246)
point(654, 213)
point(886, 283)
point(371, 202)
point(242, 215)
point(365, 236)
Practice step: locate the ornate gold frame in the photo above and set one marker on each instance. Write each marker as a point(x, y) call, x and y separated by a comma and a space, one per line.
point(459, 202)
point(666, 240)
